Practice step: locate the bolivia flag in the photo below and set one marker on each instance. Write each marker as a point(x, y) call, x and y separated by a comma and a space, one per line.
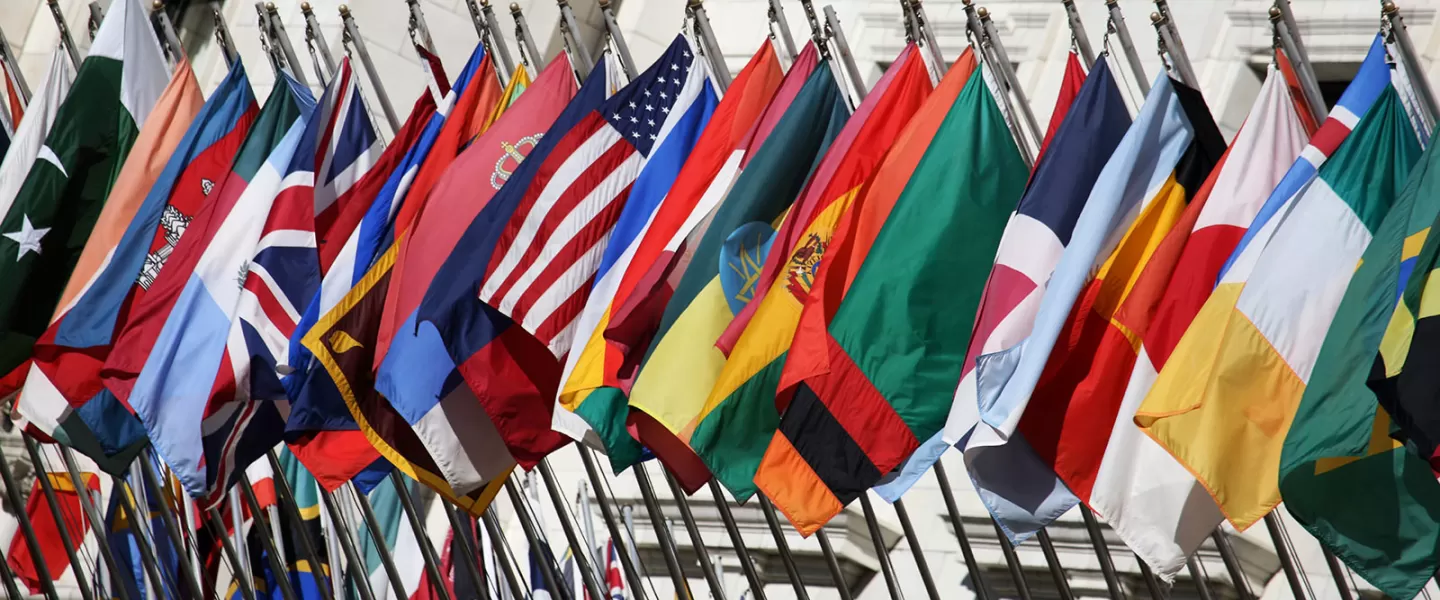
point(1225, 397)
point(884, 330)
point(624, 308)
point(746, 385)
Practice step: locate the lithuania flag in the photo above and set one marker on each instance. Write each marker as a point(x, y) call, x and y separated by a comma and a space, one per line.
point(884, 330)
point(44, 230)
point(1369, 499)
point(740, 415)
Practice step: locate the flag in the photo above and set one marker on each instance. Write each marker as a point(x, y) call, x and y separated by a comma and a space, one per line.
point(399, 539)
point(744, 391)
point(431, 452)
point(47, 526)
point(1070, 86)
point(122, 536)
point(1081, 419)
point(1357, 489)
point(135, 233)
point(44, 228)
point(1226, 395)
point(921, 233)
point(614, 582)
point(30, 137)
point(345, 149)
point(533, 254)
point(13, 104)
point(207, 390)
point(810, 110)
point(644, 240)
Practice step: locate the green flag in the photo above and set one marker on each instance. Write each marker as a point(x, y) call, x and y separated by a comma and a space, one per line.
point(1362, 494)
point(45, 228)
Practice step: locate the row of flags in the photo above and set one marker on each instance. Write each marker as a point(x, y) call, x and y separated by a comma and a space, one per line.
point(762, 286)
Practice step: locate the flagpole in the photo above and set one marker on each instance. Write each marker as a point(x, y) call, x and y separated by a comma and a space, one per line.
point(65, 38)
point(881, 552)
point(1127, 45)
point(971, 565)
point(842, 587)
point(1202, 586)
point(1232, 564)
point(97, 15)
point(52, 501)
point(507, 564)
point(1078, 35)
point(167, 30)
point(657, 521)
point(11, 589)
point(1287, 560)
point(427, 550)
point(837, 34)
point(783, 547)
point(1153, 583)
point(777, 18)
point(267, 538)
point(1290, 41)
point(149, 560)
point(571, 29)
point(607, 513)
point(353, 559)
point(989, 60)
point(267, 43)
point(418, 27)
point(1052, 560)
point(182, 543)
point(1102, 551)
point(707, 567)
point(549, 572)
point(927, 32)
point(915, 549)
point(817, 32)
point(1175, 44)
point(1414, 69)
point(578, 547)
point(12, 69)
point(469, 551)
point(97, 523)
point(757, 588)
point(227, 547)
point(523, 40)
point(992, 36)
point(222, 36)
point(315, 39)
point(712, 47)
point(582, 502)
point(912, 34)
point(372, 525)
point(352, 35)
point(285, 497)
point(27, 529)
point(277, 29)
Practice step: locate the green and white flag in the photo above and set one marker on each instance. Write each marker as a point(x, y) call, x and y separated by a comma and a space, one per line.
point(45, 227)
point(30, 136)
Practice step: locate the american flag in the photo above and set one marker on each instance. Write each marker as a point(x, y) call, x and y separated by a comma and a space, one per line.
point(546, 259)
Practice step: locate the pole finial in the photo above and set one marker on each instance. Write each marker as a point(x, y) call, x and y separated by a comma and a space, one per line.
point(1111, 2)
point(694, 4)
point(514, 8)
point(983, 13)
point(1067, 2)
point(967, 2)
point(270, 7)
point(485, 3)
point(1157, 18)
point(604, 4)
point(157, 5)
point(562, 3)
point(344, 10)
point(51, 2)
point(305, 7)
point(1274, 13)
point(1388, 8)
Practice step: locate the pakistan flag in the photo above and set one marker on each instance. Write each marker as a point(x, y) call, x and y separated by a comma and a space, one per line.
point(45, 227)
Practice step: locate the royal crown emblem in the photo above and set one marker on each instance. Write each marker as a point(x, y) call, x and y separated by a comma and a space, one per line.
point(514, 154)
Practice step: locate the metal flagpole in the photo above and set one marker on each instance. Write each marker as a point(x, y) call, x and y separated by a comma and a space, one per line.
point(817, 32)
point(469, 553)
point(12, 69)
point(227, 547)
point(992, 37)
point(1102, 551)
point(988, 61)
point(387, 562)
point(498, 41)
point(757, 588)
point(65, 38)
point(222, 36)
point(418, 26)
point(971, 565)
point(139, 529)
point(1232, 564)
point(267, 538)
point(1168, 47)
point(1414, 69)
point(167, 29)
point(1052, 560)
point(915, 549)
point(1202, 586)
point(333, 554)
point(621, 48)
point(1337, 571)
point(277, 30)
point(912, 33)
point(316, 38)
point(1151, 582)
point(1295, 51)
point(832, 563)
point(777, 16)
point(607, 513)
point(571, 29)
point(628, 512)
point(285, 497)
point(92, 514)
point(352, 35)
point(12, 590)
point(272, 50)
point(712, 47)
point(97, 15)
point(881, 552)
point(237, 528)
point(1287, 560)
point(657, 524)
point(1127, 45)
point(783, 547)
point(346, 534)
point(1077, 33)
point(837, 34)
point(27, 529)
point(427, 550)
point(507, 565)
point(927, 32)
point(181, 542)
point(523, 40)
point(548, 571)
point(47, 487)
point(1017, 572)
point(707, 567)
point(1176, 45)
point(578, 546)
point(582, 503)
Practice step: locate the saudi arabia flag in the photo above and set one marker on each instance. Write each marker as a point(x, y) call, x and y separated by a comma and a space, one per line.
point(44, 230)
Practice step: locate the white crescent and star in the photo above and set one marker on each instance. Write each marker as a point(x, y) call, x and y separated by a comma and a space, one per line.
point(28, 237)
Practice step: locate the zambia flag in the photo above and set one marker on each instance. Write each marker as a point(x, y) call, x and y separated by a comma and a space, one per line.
point(1343, 474)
